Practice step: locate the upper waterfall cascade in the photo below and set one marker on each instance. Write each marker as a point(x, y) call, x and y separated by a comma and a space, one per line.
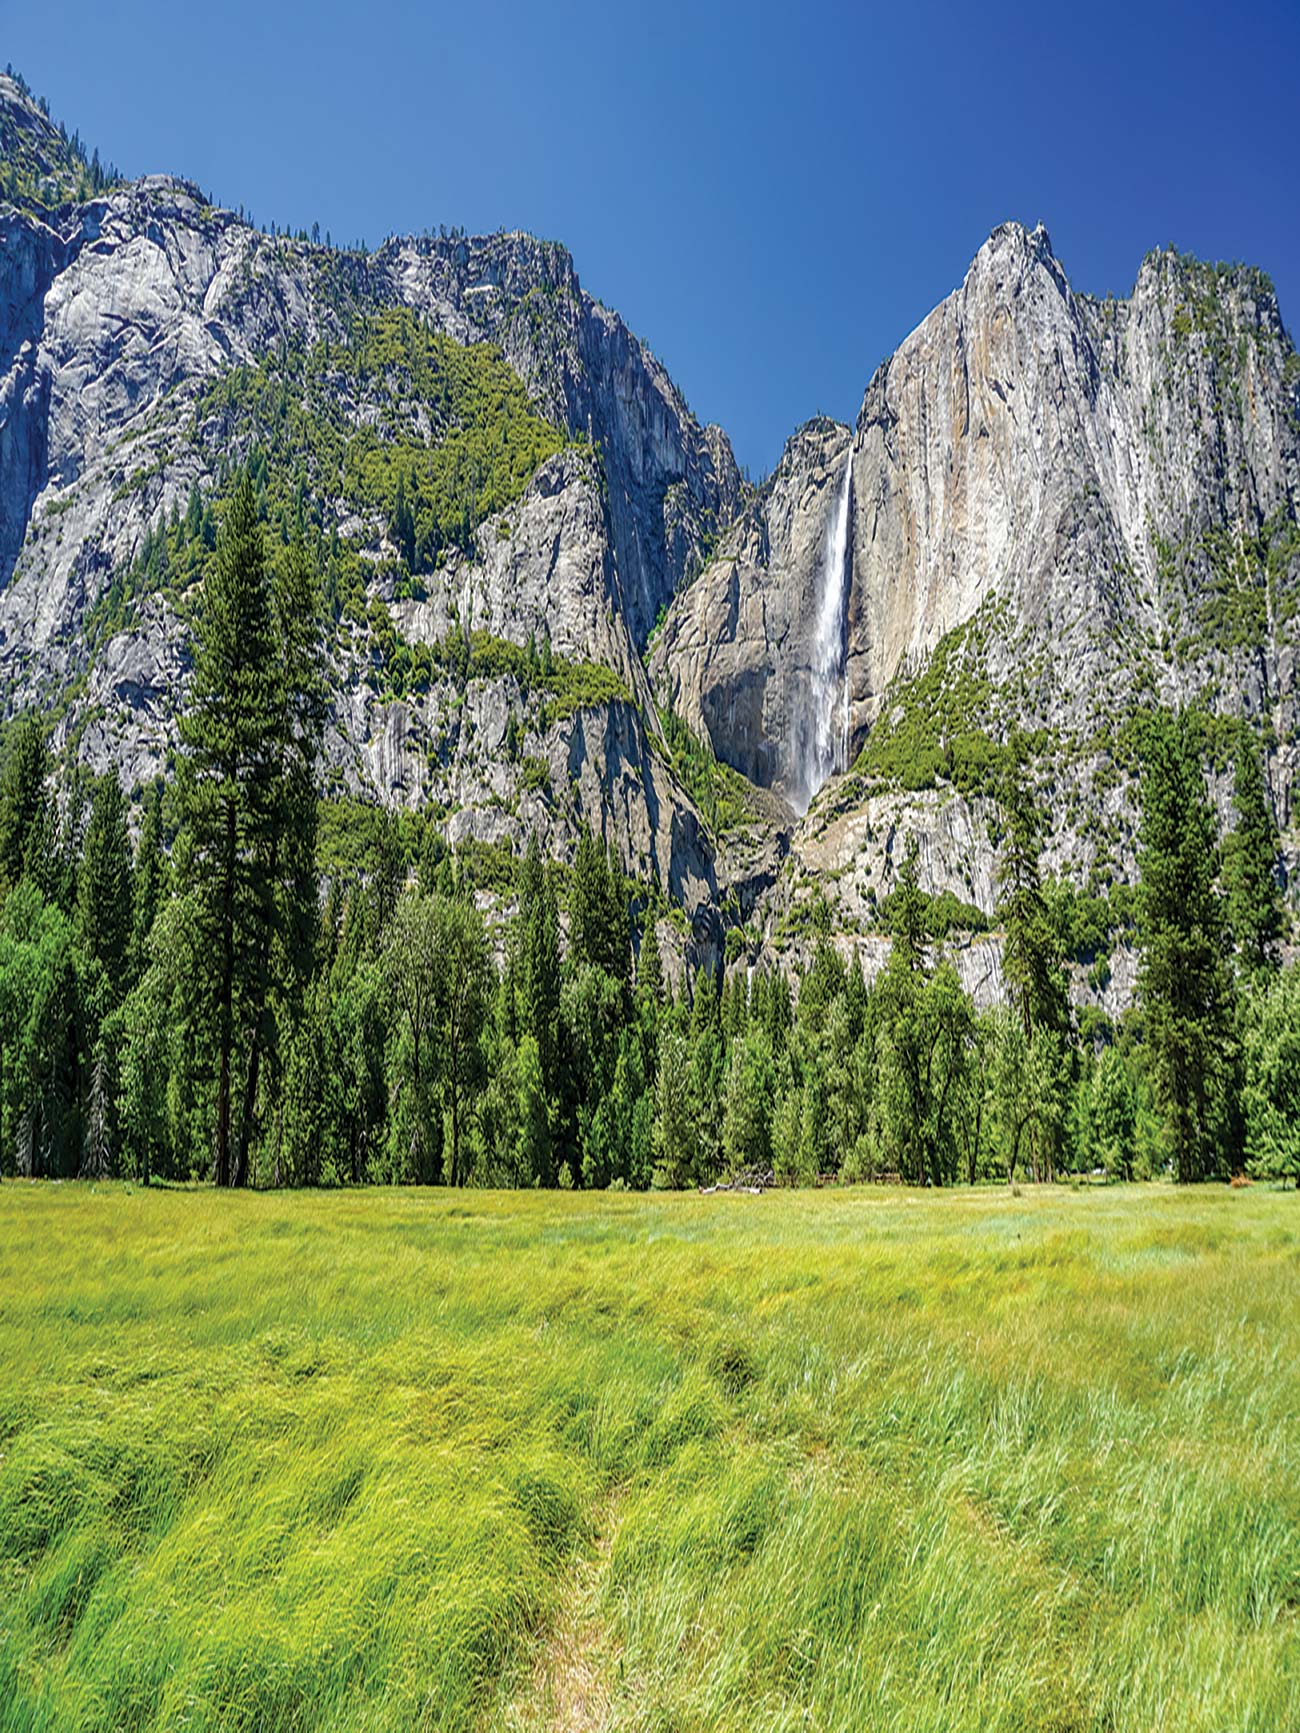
point(823, 738)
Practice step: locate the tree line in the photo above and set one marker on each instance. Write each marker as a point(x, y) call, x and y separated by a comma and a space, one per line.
point(202, 1005)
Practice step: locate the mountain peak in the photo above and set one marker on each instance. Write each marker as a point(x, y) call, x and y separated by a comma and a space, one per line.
point(1014, 239)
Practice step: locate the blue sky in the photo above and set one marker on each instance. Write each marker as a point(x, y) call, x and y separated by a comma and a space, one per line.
point(771, 196)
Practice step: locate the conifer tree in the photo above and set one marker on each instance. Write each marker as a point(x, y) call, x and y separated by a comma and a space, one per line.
point(104, 911)
point(749, 1103)
point(1250, 866)
point(1031, 959)
point(194, 514)
point(598, 924)
point(293, 932)
point(814, 1149)
point(650, 969)
point(1184, 983)
point(909, 914)
point(586, 899)
point(413, 971)
point(1113, 1114)
point(533, 1156)
point(707, 1061)
point(735, 1006)
point(537, 962)
point(462, 999)
point(149, 878)
point(233, 732)
point(388, 873)
point(25, 816)
point(856, 998)
point(780, 1012)
point(674, 1128)
point(1272, 1076)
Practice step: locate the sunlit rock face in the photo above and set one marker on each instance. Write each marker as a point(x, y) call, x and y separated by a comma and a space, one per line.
point(117, 313)
point(1070, 455)
point(1024, 443)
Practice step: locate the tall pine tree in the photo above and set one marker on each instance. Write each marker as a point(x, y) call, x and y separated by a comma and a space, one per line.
point(1031, 957)
point(537, 963)
point(104, 912)
point(1185, 984)
point(234, 731)
point(25, 811)
point(1250, 866)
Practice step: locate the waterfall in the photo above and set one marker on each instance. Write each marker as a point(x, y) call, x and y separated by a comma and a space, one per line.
point(823, 735)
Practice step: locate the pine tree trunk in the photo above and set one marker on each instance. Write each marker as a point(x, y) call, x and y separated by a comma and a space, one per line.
point(226, 989)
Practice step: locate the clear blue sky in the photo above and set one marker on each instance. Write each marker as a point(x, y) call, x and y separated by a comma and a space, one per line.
point(772, 196)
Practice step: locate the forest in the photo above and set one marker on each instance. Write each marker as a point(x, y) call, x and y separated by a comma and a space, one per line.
point(222, 999)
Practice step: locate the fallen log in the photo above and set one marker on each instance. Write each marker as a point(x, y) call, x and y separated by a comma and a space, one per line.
point(753, 1183)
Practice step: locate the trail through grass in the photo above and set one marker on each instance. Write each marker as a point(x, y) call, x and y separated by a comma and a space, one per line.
point(569, 1686)
point(839, 1461)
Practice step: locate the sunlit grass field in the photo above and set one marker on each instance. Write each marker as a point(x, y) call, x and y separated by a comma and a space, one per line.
point(855, 1460)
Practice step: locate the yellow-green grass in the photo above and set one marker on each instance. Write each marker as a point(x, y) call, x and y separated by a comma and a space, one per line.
point(857, 1460)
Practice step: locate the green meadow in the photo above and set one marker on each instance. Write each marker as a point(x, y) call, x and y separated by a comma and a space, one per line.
point(843, 1460)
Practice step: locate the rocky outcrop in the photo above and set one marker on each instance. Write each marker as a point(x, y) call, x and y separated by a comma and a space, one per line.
point(545, 568)
point(1093, 465)
point(1076, 459)
point(115, 314)
point(450, 750)
point(670, 483)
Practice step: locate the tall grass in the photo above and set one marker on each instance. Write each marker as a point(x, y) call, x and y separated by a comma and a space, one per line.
point(856, 1460)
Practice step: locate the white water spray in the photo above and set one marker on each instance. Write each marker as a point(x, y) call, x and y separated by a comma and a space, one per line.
point(824, 732)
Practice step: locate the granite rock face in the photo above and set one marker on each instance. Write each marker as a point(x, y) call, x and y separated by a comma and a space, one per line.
point(116, 313)
point(553, 574)
point(1073, 458)
point(1077, 459)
